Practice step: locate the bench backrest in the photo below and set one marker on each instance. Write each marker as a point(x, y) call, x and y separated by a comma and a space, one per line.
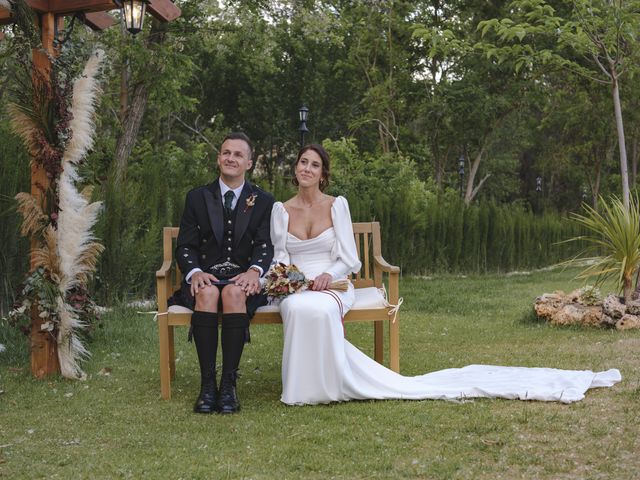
point(368, 244)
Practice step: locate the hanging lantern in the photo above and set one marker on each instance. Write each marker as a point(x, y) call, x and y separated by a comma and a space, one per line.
point(133, 14)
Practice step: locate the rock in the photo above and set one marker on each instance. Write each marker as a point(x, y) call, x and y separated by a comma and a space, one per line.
point(628, 322)
point(593, 316)
point(574, 309)
point(613, 307)
point(574, 313)
point(607, 321)
point(545, 310)
point(568, 315)
point(633, 307)
point(548, 304)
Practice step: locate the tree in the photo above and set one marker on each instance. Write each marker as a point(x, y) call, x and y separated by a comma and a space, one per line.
point(593, 38)
point(477, 96)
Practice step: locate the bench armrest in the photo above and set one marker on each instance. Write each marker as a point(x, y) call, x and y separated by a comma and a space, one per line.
point(384, 265)
point(164, 270)
point(163, 285)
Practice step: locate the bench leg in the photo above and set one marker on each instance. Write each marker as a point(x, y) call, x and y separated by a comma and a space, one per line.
point(378, 341)
point(165, 362)
point(172, 353)
point(394, 345)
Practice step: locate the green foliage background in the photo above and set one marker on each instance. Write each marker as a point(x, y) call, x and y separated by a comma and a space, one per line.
point(398, 92)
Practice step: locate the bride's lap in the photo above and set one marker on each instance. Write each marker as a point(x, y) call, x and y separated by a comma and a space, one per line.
point(309, 304)
point(300, 305)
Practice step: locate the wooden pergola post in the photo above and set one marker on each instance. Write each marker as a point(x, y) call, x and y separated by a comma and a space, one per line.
point(51, 13)
point(44, 351)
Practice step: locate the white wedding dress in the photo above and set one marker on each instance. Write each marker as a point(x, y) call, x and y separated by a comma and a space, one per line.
point(319, 365)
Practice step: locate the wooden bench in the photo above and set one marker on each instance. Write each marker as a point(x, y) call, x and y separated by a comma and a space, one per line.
point(369, 305)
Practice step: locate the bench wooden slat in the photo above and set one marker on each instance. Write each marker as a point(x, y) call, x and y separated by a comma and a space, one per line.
point(365, 261)
point(263, 318)
point(357, 276)
point(374, 270)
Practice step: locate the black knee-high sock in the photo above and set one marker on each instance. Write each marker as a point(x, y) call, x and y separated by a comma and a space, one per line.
point(205, 335)
point(233, 336)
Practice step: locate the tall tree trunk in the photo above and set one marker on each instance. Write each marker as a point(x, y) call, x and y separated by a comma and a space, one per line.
point(124, 81)
point(134, 115)
point(472, 191)
point(624, 170)
point(124, 91)
point(130, 128)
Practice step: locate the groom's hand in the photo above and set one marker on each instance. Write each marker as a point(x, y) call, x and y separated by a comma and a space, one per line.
point(248, 281)
point(200, 280)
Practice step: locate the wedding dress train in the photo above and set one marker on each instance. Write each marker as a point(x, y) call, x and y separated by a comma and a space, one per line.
point(319, 365)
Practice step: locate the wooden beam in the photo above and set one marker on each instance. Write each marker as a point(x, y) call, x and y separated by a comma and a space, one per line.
point(39, 5)
point(99, 20)
point(72, 6)
point(66, 6)
point(164, 10)
point(5, 16)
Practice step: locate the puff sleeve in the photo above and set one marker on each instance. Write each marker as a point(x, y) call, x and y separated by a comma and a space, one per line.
point(344, 252)
point(279, 228)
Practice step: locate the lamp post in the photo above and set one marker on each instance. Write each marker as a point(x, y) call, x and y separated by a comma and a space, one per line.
point(133, 14)
point(461, 172)
point(304, 114)
point(538, 194)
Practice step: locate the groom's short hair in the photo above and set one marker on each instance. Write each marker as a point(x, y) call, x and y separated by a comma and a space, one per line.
point(240, 136)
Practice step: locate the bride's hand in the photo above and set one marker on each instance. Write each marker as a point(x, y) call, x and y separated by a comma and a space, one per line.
point(322, 282)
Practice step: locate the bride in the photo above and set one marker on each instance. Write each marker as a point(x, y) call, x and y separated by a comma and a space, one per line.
point(313, 231)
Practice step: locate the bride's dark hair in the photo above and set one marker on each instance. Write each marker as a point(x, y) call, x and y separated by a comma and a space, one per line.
point(324, 155)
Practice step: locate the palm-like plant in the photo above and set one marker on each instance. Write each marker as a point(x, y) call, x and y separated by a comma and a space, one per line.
point(613, 243)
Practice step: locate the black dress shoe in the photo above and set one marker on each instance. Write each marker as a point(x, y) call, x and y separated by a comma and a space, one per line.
point(207, 401)
point(228, 399)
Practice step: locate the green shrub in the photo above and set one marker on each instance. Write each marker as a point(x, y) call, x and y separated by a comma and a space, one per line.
point(423, 232)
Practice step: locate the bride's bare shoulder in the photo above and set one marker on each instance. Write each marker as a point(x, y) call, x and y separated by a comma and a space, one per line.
point(290, 206)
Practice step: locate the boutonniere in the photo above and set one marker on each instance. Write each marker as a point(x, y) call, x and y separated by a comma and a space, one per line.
point(251, 201)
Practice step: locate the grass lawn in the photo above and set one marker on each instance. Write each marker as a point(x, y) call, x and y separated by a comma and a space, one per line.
point(116, 425)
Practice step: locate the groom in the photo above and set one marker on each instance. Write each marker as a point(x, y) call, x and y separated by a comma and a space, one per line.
point(223, 249)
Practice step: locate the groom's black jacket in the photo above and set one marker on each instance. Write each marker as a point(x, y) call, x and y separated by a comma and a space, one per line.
point(200, 241)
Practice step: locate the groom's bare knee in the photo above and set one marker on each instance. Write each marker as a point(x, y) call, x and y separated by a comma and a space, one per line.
point(207, 299)
point(234, 300)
